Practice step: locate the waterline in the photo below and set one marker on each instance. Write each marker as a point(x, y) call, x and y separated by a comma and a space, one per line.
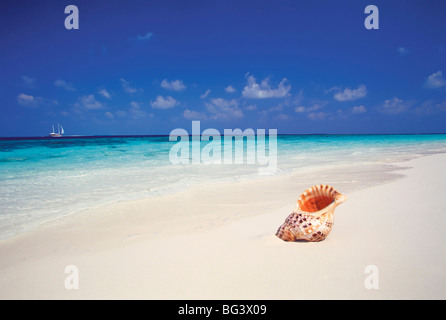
point(46, 179)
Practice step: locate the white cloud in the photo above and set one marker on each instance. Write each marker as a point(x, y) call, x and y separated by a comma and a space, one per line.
point(278, 107)
point(264, 90)
point(204, 95)
point(221, 109)
point(301, 109)
point(164, 103)
point(430, 107)
point(395, 106)
point(435, 81)
point(89, 102)
point(136, 111)
point(359, 109)
point(144, 37)
point(193, 115)
point(109, 115)
point(336, 88)
point(135, 105)
point(317, 115)
point(27, 100)
point(341, 114)
point(64, 85)
point(230, 89)
point(105, 94)
point(351, 94)
point(128, 88)
point(281, 117)
point(121, 113)
point(28, 81)
point(298, 98)
point(403, 51)
point(174, 85)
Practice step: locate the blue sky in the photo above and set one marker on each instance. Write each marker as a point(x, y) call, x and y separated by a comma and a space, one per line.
point(148, 67)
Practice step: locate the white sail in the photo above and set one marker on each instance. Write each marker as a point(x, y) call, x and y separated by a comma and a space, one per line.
point(60, 131)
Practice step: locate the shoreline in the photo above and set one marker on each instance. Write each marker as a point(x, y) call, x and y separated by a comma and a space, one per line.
point(368, 174)
point(218, 249)
point(120, 171)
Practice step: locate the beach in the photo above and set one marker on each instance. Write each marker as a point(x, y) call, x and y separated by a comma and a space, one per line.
point(217, 241)
point(199, 151)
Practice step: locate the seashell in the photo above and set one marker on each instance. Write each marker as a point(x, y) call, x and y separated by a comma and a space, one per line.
point(312, 218)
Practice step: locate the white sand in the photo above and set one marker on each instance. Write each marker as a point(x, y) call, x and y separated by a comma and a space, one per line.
point(217, 242)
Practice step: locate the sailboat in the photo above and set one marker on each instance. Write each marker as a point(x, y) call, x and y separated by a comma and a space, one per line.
point(59, 132)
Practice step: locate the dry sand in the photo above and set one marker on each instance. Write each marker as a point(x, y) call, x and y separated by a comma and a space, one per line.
point(217, 242)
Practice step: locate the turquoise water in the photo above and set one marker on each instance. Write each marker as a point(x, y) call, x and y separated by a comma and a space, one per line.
point(42, 179)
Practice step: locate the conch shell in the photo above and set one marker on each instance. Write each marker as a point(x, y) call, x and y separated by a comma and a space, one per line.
point(312, 219)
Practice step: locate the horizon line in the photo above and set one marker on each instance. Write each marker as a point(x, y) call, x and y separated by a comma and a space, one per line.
point(167, 135)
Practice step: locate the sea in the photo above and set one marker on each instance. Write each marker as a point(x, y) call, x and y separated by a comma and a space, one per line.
point(45, 178)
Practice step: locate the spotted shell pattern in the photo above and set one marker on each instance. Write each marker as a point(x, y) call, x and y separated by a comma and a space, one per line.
point(312, 219)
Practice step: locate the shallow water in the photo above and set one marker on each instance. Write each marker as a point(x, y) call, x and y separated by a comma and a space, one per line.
point(42, 179)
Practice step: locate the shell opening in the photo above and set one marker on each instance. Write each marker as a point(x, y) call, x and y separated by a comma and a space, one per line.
point(315, 204)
